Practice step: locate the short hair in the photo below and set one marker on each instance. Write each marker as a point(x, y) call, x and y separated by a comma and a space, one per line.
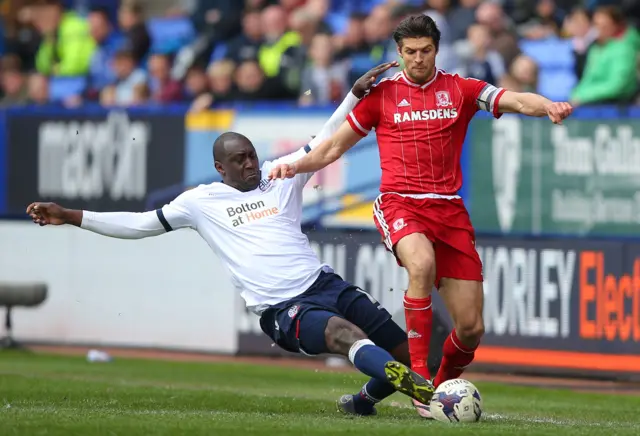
point(133, 6)
point(417, 26)
point(219, 143)
point(613, 12)
point(100, 10)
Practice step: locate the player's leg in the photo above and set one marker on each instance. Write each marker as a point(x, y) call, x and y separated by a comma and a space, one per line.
point(404, 228)
point(343, 337)
point(417, 255)
point(464, 301)
point(361, 309)
point(459, 281)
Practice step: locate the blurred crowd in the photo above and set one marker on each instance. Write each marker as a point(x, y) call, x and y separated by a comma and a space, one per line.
point(309, 51)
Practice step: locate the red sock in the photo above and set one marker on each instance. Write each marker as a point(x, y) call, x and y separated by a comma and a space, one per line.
point(455, 358)
point(418, 313)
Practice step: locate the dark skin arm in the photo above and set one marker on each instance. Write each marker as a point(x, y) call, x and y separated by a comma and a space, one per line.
point(52, 214)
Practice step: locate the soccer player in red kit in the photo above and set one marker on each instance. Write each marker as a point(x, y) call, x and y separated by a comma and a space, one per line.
point(421, 116)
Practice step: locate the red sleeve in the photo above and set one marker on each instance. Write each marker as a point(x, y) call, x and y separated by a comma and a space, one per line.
point(366, 114)
point(480, 95)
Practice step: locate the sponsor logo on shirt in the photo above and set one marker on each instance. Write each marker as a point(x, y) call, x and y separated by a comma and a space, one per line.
point(249, 212)
point(427, 114)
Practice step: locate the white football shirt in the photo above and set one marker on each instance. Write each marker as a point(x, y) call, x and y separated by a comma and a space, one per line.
point(257, 234)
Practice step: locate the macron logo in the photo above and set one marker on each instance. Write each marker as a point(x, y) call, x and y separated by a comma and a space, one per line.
point(403, 103)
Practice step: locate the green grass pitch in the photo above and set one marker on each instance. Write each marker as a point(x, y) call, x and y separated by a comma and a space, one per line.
point(53, 395)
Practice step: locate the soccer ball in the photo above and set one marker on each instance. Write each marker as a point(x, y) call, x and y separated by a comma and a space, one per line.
point(456, 400)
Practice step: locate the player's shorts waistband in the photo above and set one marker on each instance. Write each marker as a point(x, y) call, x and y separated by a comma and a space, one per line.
point(423, 196)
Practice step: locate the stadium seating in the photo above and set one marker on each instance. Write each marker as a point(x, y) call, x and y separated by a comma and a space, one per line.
point(555, 61)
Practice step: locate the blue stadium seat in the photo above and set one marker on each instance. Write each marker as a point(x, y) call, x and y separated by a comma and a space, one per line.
point(549, 53)
point(61, 88)
point(556, 75)
point(556, 84)
point(337, 22)
point(168, 35)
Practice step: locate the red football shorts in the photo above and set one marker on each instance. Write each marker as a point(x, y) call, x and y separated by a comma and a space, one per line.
point(445, 222)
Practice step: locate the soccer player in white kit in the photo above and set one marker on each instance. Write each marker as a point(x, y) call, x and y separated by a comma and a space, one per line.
point(254, 225)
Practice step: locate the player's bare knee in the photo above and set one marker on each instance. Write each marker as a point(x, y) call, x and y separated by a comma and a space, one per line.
point(422, 273)
point(340, 335)
point(470, 330)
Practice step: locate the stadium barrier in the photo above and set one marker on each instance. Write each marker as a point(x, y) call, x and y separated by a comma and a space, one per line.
point(552, 306)
point(523, 176)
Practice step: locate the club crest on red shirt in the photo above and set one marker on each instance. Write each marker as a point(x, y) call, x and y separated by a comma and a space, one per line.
point(443, 98)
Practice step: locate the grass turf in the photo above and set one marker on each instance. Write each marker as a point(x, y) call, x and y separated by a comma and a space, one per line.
point(53, 395)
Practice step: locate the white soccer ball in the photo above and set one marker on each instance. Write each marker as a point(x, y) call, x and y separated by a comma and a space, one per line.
point(456, 400)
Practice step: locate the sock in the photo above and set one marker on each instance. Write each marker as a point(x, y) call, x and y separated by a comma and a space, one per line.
point(373, 392)
point(418, 315)
point(369, 358)
point(455, 358)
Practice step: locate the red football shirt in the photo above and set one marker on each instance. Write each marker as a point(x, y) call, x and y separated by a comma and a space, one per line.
point(421, 128)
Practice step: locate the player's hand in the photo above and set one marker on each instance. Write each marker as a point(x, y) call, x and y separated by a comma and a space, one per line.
point(558, 111)
point(283, 171)
point(364, 83)
point(47, 213)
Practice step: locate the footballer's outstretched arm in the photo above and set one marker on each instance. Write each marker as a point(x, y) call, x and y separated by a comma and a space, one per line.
point(533, 105)
point(121, 225)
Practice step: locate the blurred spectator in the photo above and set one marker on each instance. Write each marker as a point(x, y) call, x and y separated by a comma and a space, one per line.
point(509, 83)
point(38, 89)
point(109, 41)
point(252, 84)
point(220, 75)
point(306, 24)
point(351, 42)
point(447, 58)
point(131, 21)
point(244, 46)
point(578, 26)
point(290, 5)
point(22, 38)
point(163, 88)
point(278, 41)
point(141, 95)
point(461, 17)
point(545, 23)
point(218, 19)
point(378, 45)
point(130, 79)
point(503, 35)
point(323, 81)
point(67, 47)
point(196, 82)
point(610, 75)
point(480, 61)
point(14, 82)
point(524, 72)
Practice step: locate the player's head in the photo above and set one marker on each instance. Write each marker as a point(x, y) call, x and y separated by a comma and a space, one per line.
point(236, 160)
point(418, 39)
